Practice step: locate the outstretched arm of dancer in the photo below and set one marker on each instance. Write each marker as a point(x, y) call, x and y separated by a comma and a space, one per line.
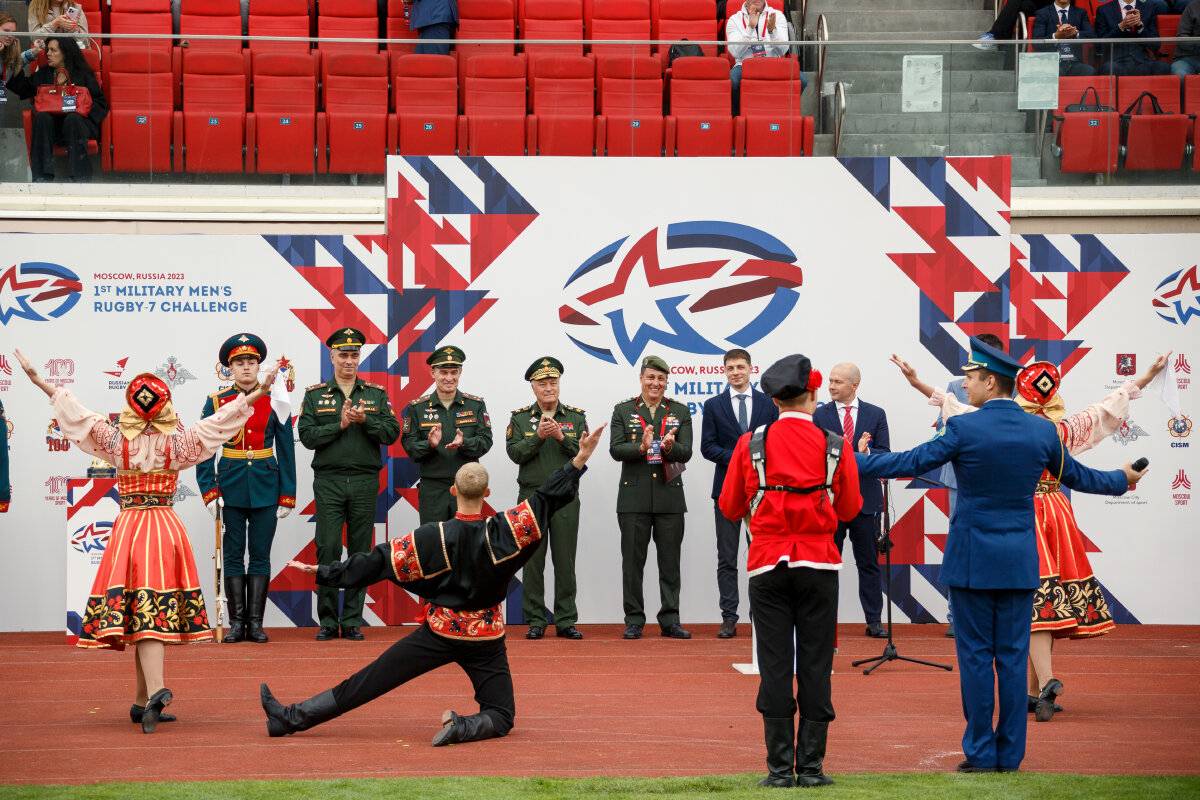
point(910, 374)
point(32, 372)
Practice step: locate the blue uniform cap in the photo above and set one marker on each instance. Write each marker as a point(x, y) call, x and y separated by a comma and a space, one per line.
point(984, 356)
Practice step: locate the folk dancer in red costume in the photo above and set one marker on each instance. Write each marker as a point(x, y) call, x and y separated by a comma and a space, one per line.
point(147, 590)
point(462, 567)
point(1069, 602)
point(808, 483)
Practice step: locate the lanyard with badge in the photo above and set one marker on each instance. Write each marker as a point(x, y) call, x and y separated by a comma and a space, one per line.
point(758, 50)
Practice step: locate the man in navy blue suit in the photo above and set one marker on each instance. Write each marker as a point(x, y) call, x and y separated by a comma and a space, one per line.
point(1130, 20)
point(991, 560)
point(726, 417)
point(854, 418)
point(1066, 25)
point(434, 19)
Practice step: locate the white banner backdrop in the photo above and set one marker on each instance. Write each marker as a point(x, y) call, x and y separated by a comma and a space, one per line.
point(599, 262)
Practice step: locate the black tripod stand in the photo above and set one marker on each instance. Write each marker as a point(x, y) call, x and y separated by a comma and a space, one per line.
point(885, 546)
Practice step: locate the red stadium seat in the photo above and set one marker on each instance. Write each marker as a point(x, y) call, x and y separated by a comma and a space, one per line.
point(630, 122)
point(1154, 141)
point(700, 123)
point(620, 20)
point(279, 18)
point(348, 19)
point(210, 131)
point(1168, 28)
point(425, 94)
point(281, 135)
point(211, 18)
point(484, 19)
point(1087, 142)
point(493, 120)
point(140, 17)
point(140, 89)
point(564, 102)
point(552, 19)
point(770, 123)
point(94, 10)
point(1165, 88)
point(359, 130)
point(694, 20)
point(1191, 105)
point(397, 28)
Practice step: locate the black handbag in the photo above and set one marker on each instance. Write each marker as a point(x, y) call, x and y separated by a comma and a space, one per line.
point(1088, 108)
point(683, 49)
point(1135, 109)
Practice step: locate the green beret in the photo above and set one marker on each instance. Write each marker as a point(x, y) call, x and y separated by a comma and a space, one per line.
point(546, 367)
point(448, 356)
point(351, 339)
point(654, 362)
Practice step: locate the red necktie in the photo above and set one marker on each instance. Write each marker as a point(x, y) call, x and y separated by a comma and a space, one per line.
point(847, 424)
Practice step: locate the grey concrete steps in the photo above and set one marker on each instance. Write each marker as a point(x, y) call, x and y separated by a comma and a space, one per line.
point(972, 144)
point(884, 81)
point(965, 35)
point(875, 57)
point(960, 102)
point(961, 124)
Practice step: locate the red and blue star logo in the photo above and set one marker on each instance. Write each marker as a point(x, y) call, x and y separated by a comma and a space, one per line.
point(37, 291)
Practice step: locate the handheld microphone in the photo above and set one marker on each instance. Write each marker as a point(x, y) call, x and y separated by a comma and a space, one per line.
point(1141, 464)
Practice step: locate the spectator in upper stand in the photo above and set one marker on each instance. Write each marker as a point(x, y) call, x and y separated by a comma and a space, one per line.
point(1126, 20)
point(756, 31)
point(434, 19)
point(52, 17)
point(1006, 20)
point(1187, 54)
point(1065, 25)
point(63, 62)
point(12, 58)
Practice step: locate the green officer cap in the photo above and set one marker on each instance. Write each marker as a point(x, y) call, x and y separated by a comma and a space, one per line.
point(240, 345)
point(545, 367)
point(448, 356)
point(346, 339)
point(654, 362)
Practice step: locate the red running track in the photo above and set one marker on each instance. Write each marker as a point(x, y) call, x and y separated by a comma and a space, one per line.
point(600, 706)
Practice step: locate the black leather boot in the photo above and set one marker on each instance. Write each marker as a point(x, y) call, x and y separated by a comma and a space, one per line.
point(810, 754)
point(235, 596)
point(256, 604)
point(282, 720)
point(136, 713)
point(781, 751)
point(456, 729)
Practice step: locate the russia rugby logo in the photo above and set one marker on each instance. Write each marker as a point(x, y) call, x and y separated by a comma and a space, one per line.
point(670, 289)
point(37, 291)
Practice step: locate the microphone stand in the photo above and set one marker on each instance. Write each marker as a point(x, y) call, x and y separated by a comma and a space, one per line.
point(885, 544)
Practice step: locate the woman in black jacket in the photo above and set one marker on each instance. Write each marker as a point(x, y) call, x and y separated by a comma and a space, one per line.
point(63, 59)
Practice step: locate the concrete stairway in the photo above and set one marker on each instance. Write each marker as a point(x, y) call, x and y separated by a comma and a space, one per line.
point(979, 99)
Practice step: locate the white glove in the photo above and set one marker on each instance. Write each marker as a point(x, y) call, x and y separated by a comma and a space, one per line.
point(212, 507)
point(282, 512)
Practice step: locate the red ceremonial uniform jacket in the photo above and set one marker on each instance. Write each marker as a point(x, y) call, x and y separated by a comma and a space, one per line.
point(789, 527)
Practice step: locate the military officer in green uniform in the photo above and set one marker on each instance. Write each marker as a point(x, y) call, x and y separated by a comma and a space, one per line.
point(346, 421)
point(443, 431)
point(651, 435)
point(541, 438)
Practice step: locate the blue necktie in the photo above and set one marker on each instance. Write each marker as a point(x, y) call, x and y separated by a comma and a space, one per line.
point(743, 421)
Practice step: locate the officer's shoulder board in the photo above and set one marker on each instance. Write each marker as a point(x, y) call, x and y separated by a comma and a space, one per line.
point(314, 386)
point(573, 408)
point(633, 399)
point(673, 402)
point(375, 386)
point(524, 410)
point(420, 400)
point(472, 397)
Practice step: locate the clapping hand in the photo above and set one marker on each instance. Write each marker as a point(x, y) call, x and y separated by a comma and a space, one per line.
point(352, 413)
point(548, 428)
point(587, 445)
point(458, 440)
point(864, 443)
point(668, 441)
point(435, 436)
point(647, 439)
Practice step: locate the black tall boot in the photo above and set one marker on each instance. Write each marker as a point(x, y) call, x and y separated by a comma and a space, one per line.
point(256, 604)
point(810, 754)
point(282, 720)
point(781, 751)
point(456, 729)
point(235, 595)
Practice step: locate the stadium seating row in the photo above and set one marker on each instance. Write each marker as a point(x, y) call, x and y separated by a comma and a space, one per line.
point(342, 124)
point(1092, 141)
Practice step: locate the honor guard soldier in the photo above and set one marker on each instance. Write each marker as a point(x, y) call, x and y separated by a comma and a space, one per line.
point(541, 438)
point(443, 431)
point(346, 421)
point(254, 483)
point(651, 435)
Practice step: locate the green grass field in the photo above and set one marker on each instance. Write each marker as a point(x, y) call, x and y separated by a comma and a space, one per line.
point(719, 787)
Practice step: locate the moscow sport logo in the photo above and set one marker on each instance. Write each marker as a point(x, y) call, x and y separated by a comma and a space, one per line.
point(677, 290)
point(37, 291)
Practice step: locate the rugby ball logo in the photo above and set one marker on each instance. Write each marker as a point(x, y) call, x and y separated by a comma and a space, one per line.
point(698, 287)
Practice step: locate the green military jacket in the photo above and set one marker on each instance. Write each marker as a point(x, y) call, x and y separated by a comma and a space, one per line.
point(357, 448)
point(467, 413)
point(643, 487)
point(537, 458)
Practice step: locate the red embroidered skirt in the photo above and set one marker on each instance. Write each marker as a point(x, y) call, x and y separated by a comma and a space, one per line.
point(1069, 601)
point(146, 586)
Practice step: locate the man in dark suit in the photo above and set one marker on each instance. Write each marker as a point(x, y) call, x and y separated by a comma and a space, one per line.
point(1130, 20)
point(991, 560)
point(854, 418)
point(434, 19)
point(1066, 25)
point(726, 417)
